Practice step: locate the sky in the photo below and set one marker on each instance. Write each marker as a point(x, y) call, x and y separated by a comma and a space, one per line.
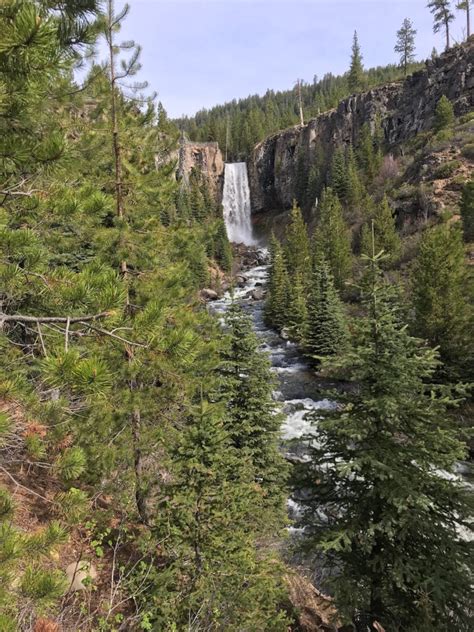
point(200, 53)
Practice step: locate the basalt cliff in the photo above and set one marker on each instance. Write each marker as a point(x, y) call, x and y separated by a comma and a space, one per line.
point(206, 158)
point(403, 110)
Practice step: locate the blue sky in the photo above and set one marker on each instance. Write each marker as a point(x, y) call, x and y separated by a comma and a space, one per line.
point(199, 53)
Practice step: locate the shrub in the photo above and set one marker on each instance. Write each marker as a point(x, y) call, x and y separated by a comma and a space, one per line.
point(390, 168)
point(467, 117)
point(443, 139)
point(444, 114)
point(446, 170)
point(468, 151)
point(405, 192)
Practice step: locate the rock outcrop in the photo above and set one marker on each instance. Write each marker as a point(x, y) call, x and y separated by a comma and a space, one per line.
point(207, 158)
point(403, 109)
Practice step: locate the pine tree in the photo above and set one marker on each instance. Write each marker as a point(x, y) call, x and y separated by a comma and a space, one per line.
point(297, 251)
point(465, 5)
point(355, 189)
point(326, 333)
point(442, 16)
point(183, 205)
point(356, 72)
point(467, 211)
point(276, 305)
point(440, 295)
point(315, 179)
point(219, 246)
point(367, 155)
point(251, 420)
point(444, 114)
point(375, 500)
point(297, 313)
point(380, 232)
point(332, 238)
point(405, 45)
point(111, 26)
point(215, 577)
point(301, 178)
point(339, 175)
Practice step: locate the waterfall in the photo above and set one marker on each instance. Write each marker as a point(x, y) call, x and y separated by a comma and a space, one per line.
point(236, 203)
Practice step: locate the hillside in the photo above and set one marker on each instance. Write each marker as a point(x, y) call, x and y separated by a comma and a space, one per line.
point(242, 123)
point(397, 112)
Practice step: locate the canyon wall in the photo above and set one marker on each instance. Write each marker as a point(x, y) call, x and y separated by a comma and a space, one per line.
point(403, 109)
point(205, 157)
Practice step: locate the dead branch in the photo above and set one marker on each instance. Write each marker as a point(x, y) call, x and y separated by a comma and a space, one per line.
point(26, 489)
point(40, 333)
point(20, 318)
point(112, 335)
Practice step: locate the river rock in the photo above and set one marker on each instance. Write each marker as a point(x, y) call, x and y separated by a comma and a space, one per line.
point(258, 294)
point(240, 280)
point(80, 574)
point(209, 295)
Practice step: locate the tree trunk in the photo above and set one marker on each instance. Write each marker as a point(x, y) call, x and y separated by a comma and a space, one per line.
point(300, 103)
point(115, 129)
point(448, 40)
point(140, 496)
point(468, 16)
point(117, 150)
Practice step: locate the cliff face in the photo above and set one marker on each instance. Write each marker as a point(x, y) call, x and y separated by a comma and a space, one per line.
point(206, 158)
point(403, 109)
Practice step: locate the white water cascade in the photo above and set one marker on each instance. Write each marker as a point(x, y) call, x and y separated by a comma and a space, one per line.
point(236, 203)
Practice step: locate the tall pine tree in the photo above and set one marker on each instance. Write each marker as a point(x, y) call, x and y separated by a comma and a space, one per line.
point(297, 313)
point(376, 501)
point(276, 306)
point(326, 332)
point(297, 250)
point(212, 580)
point(405, 45)
point(440, 286)
point(252, 420)
point(380, 232)
point(442, 17)
point(356, 71)
point(332, 238)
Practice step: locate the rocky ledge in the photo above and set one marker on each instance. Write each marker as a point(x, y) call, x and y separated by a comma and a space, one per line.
point(404, 109)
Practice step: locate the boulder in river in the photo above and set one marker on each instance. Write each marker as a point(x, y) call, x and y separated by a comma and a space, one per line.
point(209, 295)
point(258, 294)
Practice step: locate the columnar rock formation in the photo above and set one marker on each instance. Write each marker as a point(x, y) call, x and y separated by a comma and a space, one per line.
point(403, 109)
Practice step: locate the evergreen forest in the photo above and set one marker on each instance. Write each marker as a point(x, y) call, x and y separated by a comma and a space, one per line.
point(146, 479)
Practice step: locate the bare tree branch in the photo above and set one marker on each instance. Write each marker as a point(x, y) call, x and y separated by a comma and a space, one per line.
point(40, 333)
point(20, 318)
point(27, 489)
point(112, 335)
